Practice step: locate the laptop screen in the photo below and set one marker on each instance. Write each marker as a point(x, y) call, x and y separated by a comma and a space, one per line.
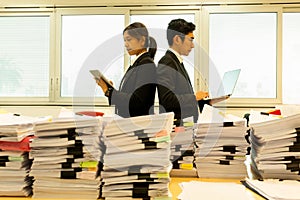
point(228, 83)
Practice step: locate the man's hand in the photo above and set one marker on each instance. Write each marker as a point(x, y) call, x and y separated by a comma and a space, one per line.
point(201, 95)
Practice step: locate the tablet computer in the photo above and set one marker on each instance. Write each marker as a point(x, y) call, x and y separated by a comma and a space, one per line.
point(98, 75)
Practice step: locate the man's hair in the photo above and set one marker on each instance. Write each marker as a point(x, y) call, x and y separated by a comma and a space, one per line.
point(179, 27)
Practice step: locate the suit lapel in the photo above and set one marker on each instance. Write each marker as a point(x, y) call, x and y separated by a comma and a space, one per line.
point(185, 73)
point(129, 72)
point(180, 67)
point(124, 80)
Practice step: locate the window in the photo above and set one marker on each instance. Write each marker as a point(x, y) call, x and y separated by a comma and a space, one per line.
point(291, 59)
point(246, 41)
point(159, 32)
point(24, 56)
point(46, 54)
point(90, 42)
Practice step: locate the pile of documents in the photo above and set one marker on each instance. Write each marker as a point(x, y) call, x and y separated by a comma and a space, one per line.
point(275, 189)
point(15, 134)
point(65, 155)
point(137, 158)
point(221, 145)
point(275, 148)
point(182, 151)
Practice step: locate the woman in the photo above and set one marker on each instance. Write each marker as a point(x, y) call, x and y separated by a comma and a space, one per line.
point(136, 94)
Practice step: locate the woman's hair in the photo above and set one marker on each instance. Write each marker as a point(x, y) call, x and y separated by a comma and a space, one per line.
point(138, 30)
point(179, 27)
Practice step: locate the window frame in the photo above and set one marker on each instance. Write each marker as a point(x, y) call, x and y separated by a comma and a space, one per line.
point(102, 101)
point(58, 66)
point(31, 13)
point(249, 102)
point(180, 10)
point(201, 13)
point(290, 9)
point(171, 11)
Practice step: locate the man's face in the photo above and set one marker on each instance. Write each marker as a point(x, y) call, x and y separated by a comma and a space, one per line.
point(187, 44)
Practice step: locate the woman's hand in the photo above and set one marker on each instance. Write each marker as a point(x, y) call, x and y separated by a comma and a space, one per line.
point(102, 84)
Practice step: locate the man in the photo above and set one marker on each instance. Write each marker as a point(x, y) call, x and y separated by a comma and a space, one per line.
point(175, 91)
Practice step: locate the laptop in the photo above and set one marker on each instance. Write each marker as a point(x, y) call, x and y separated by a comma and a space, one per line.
point(228, 83)
point(226, 86)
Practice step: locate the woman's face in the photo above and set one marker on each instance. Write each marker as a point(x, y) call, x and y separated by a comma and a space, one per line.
point(133, 45)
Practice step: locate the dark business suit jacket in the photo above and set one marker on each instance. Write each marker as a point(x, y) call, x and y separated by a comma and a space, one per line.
point(137, 89)
point(175, 91)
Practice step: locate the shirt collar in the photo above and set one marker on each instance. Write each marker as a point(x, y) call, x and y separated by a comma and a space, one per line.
point(135, 58)
point(177, 55)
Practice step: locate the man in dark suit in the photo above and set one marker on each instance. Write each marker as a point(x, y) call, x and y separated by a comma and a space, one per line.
point(175, 91)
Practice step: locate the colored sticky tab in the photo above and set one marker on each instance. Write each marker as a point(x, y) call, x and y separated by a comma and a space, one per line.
point(162, 139)
point(162, 198)
point(275, 112)
point(89, 164)
point(16, 158)
point(163, 175)
point(161, 133)
point(186, 166)
point(179, 129)
point(188, 124)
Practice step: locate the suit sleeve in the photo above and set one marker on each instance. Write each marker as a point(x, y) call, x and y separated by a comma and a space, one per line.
point(140, 97)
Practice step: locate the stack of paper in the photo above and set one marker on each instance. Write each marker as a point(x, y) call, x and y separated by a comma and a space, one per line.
point(15, 134)
point(257, 117)
point(275, 148)
point(137, 158)
point(275, 189)
point(182, 151)
point(65, 157)
point(221, 146)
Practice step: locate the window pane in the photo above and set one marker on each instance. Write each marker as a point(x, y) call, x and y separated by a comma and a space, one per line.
point(24, 56)
point(246, 41)
point(91, 42)
point(291, 59)
point(158, 31)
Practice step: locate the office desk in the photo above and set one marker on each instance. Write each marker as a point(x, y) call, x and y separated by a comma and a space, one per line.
point(174, 188)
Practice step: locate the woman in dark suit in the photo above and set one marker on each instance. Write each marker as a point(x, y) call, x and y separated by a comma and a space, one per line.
point(136, 94)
